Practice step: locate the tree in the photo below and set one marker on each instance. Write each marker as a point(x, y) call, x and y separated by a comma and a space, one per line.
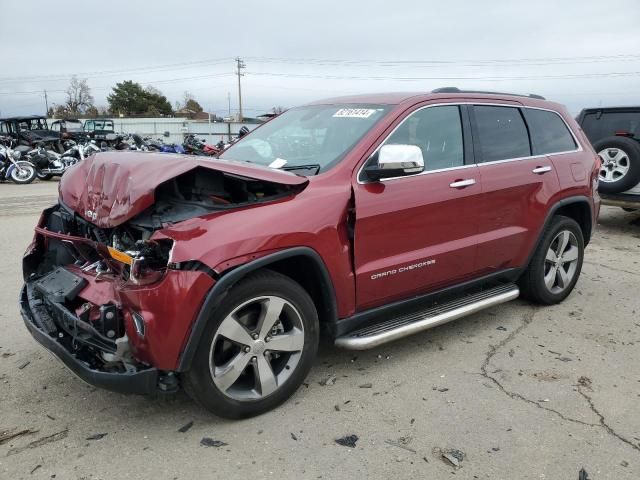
point(129, 98)
point(191, 104)
point(51, 112)
point(79, 97)
point(278, 110)
point(91, 112)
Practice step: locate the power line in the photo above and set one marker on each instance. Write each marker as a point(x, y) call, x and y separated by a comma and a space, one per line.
point(412, 79)
point(108, 73)
point(462, 62)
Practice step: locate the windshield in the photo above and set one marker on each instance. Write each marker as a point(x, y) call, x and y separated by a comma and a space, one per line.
point(314, 138)
point(73, 126)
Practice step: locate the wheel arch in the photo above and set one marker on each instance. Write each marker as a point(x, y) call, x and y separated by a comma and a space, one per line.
point(578, 208)
point(302, 264)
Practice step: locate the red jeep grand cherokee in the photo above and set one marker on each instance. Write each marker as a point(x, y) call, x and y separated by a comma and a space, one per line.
point(368, 218)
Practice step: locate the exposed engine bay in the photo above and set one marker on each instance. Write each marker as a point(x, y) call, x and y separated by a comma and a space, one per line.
point(201, 191)
point(77, 273)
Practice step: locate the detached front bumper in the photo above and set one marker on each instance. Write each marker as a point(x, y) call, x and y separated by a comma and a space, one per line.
point(34, 315)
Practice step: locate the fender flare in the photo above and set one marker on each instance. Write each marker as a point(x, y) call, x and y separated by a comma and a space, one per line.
point(550, 214)
point(226, 281)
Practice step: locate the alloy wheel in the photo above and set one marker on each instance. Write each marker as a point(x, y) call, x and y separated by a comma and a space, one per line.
point(615, 164)
point(256, 348)
point(561, 262)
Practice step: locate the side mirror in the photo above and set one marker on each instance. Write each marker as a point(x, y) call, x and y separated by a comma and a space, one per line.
point(396, 161)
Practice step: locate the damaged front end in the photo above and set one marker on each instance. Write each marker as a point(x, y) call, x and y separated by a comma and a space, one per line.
point(102, 291)
point(83, 299)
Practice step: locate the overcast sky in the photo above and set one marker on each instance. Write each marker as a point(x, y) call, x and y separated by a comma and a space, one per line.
point(581, 53)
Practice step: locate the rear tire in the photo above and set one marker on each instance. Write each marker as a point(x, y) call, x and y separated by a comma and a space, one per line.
point(257, 348)
point(556, 264)
point(620, 168)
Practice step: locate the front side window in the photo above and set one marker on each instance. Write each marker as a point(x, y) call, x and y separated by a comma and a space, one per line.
point(502, 133)
point(437, 131)
point(307, 139)
point(549, 133)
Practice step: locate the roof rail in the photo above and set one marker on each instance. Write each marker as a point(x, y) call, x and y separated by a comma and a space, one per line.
point(457, 90)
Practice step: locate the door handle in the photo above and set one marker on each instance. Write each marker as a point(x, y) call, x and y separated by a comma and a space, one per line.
point(541, 170)
point(463, 183)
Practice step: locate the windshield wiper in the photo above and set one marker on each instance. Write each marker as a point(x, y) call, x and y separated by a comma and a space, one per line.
point(314, 167)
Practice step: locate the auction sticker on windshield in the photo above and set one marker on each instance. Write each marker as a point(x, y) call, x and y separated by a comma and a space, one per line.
point(354, 112)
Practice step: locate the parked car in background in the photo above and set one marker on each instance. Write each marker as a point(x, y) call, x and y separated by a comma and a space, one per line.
point(382, 216)
point(31, 131)
point(614, 133)
point(100, 130)
point(69, 129)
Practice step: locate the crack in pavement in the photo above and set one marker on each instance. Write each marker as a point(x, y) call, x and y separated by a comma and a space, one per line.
point(604, 424)
point(608, 267)
point(493, 349)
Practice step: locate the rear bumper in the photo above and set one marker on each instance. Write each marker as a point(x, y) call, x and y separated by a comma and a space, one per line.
point(141, 382)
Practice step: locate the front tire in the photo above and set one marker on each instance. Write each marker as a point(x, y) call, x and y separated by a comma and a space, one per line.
point(257, 348)
point(556, 264)
point(23, 173)
point(44, 176)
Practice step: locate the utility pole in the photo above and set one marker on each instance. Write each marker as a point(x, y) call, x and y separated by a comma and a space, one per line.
point(240, 65)
point(229, 103)
point(46, 103)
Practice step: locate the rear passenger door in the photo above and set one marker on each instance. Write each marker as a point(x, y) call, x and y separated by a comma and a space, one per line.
point(517, 185)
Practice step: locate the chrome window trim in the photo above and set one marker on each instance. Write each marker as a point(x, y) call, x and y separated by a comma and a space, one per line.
point(475, 164)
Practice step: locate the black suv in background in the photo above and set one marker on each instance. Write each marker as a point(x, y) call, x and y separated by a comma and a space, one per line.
point(31, 131)
point(615, 134)
point(69, 128)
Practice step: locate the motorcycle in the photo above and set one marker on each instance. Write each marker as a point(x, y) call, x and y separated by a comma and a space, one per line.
point(194, 146)
point(149, 145)
point(50, 164)
point(11, 167)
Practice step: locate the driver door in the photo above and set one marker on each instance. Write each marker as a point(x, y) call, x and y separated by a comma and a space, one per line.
point(417, 233)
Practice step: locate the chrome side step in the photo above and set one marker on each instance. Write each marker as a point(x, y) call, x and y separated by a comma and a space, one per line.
point(395, 328)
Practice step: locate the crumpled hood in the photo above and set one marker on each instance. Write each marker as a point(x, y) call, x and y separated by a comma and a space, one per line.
point(110, 188)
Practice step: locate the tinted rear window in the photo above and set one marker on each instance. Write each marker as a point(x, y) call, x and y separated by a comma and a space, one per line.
point(502, 133)
point(549, 133)
point(599, 125)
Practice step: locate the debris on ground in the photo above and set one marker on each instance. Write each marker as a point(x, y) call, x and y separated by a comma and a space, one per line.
point(23, 364)
point(624, 463)
point(336, 407)
point(583, 475)
point(348, 441)
point(186, 427)
point(501, 328)
point(584, 382)
point(35, 468)
point(293, 436)
point(96, 436)
point(330, 380)
point(402, 442)
point(210, 442)
point(7, 354)
point(451, 456)
point(366, 385)
point(41, 441)
point(564, 359)
point(6, 435)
